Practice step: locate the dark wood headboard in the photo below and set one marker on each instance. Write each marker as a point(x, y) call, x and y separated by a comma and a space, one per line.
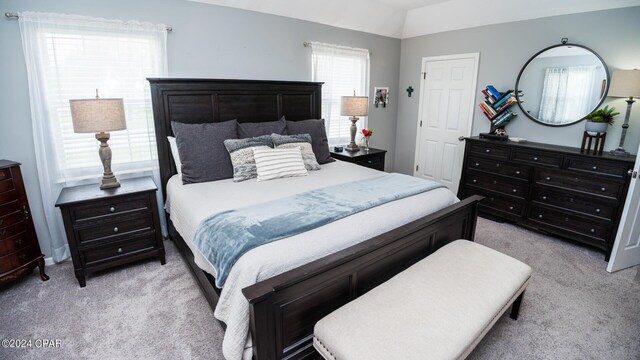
point(197, 101)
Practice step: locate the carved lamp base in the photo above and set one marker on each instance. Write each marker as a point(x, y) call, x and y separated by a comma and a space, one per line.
point(108, 179)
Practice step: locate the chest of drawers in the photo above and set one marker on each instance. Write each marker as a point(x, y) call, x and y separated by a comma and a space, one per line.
point(553, 189)
point(107, 228)
point(19, 249)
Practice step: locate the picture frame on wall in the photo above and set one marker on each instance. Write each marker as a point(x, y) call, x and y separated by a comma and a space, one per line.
point(381, 97)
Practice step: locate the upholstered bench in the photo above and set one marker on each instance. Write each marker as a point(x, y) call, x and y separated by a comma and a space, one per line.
point(439, 308)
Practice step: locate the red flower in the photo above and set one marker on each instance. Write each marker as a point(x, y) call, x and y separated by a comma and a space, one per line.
point(367, 132)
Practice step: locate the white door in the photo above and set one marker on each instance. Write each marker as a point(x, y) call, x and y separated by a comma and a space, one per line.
point(626, 249)
point(447, 94)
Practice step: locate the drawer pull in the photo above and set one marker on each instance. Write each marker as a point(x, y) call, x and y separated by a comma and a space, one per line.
point(539, 216)
point(598, 211)
point(595, 168)
point(515, 190)
point(548, 178)
point(370, 161)
point(119, 250)
point(22, 256)
point(517, 172)
point(535, 158)
point(477, 164)
point(474, 180)
point(112, 209)
point(544, 198)
point(115, 229)
point(604, 189)
point(488, 150)
point(593, 230)
point(510, 207)
point(3, 232)
point(492, 198)
point(1, 221)
point(18, 241)
point(25, 211)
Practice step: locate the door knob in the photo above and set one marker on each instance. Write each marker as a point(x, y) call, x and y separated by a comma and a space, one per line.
point(461, 138)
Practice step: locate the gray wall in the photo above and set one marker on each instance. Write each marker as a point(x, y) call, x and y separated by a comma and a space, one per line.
point(504, 48)
point(207, 42)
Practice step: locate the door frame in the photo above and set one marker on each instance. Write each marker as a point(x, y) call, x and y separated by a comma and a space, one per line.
point(423, 81)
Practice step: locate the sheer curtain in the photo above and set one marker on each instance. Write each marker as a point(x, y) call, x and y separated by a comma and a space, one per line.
point(69, 57)
point(567, 93)
point(343, 71)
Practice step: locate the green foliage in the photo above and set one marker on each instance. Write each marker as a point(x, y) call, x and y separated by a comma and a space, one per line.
point(605, 114)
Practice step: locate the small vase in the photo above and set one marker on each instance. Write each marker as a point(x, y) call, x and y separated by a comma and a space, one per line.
point(366, 143)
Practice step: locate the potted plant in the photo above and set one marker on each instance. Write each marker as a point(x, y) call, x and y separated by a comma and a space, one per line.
point(600, 119)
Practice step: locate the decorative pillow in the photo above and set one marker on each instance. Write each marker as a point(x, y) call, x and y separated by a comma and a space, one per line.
point(249, 130)
point(279, 163)
point(319, 141)
point(301, 141)
point(244, 166)
point(202, 152)
point(174, 153)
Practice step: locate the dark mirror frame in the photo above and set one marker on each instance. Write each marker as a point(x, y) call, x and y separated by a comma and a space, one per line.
point(606, 90)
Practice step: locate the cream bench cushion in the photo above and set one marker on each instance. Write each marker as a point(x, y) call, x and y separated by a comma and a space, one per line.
point(439, 308)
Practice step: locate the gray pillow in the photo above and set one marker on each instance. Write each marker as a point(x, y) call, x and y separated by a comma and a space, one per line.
point(249, 130)
point(202, 151)
point(300, 141)
point(241, 153)
point(319, 141)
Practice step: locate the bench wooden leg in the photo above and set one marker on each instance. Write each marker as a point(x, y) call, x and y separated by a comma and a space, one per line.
point(515, 307)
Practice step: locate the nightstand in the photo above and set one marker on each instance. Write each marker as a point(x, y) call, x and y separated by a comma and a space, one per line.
point(108, 228)
point(372, 158)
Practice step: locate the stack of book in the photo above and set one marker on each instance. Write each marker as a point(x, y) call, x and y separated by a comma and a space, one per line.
point(496, 107)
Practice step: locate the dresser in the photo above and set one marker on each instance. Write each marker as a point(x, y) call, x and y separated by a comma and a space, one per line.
point(549, 188)
point(19, 249)
point(108, 228)
point(372, 158)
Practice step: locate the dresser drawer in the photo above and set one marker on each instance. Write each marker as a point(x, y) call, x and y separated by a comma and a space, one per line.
point(498, 167)
point(560, 220)
point(93, 256)
point(116, 229)
point(8, 196)
point(8, 208)
point(582, 183)
point(544, 159)
point(584, 204)
point(598, 167)
point(5, 174)
point(6, 185)
point(493, 203)
point(490, 151)
point(14, 243)
point(500, 184)
point(109, 207)
point(11, 230)
point(11, 219)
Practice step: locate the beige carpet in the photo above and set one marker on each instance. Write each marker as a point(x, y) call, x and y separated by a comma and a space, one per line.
point(573, 309)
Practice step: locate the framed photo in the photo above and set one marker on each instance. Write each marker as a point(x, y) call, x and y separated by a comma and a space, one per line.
point(381, 96)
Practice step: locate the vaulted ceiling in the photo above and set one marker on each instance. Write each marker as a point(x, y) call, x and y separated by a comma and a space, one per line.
point(409, 18)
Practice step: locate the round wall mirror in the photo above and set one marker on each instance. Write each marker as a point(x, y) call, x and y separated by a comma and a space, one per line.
point(562, 84)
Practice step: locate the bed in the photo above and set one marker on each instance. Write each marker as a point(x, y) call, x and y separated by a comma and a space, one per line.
point(279, 302)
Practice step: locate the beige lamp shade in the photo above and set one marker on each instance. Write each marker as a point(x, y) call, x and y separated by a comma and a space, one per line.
point(354, 105)
point(625, 83)
point(97, 115)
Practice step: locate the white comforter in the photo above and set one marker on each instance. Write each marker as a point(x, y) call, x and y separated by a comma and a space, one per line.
point(190, 204)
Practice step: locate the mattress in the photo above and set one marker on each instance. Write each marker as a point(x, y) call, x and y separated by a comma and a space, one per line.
point(189, 204)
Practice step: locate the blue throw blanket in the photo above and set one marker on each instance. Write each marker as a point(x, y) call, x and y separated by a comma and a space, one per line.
point(224, 237)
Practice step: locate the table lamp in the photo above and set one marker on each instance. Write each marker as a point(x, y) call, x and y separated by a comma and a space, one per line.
point(99, 116)
point(626, 84)
point(354, 106)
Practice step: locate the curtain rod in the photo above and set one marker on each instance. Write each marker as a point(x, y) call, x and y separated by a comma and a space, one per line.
point(11, 15)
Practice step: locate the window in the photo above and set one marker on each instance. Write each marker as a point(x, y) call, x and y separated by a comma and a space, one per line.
point(343, 71)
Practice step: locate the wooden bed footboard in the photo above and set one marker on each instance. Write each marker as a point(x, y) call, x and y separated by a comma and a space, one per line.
point(285, 308)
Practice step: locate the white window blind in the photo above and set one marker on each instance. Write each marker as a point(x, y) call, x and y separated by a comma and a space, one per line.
point(343, 71)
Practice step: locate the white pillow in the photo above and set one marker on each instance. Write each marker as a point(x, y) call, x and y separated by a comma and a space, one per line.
point(174, 152)
point(278, 163)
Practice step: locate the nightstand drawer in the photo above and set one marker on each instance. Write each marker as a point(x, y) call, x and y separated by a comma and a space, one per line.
point(372, 162)
point(6, 185)
point(5, 174)
point(11, 230)
point(110, 207)
point(8, 196)
point(14, 243)
point(109, 231)
point(92, 256)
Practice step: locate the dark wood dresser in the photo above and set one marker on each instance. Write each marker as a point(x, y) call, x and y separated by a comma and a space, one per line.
point(372, 158)
point(553, 189)
point(107, 228)
point(19, 249)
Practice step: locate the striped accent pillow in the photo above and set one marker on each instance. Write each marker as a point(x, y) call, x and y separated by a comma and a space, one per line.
point(278, 163)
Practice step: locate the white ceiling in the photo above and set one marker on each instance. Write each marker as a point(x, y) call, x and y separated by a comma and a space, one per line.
point(409, 18)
